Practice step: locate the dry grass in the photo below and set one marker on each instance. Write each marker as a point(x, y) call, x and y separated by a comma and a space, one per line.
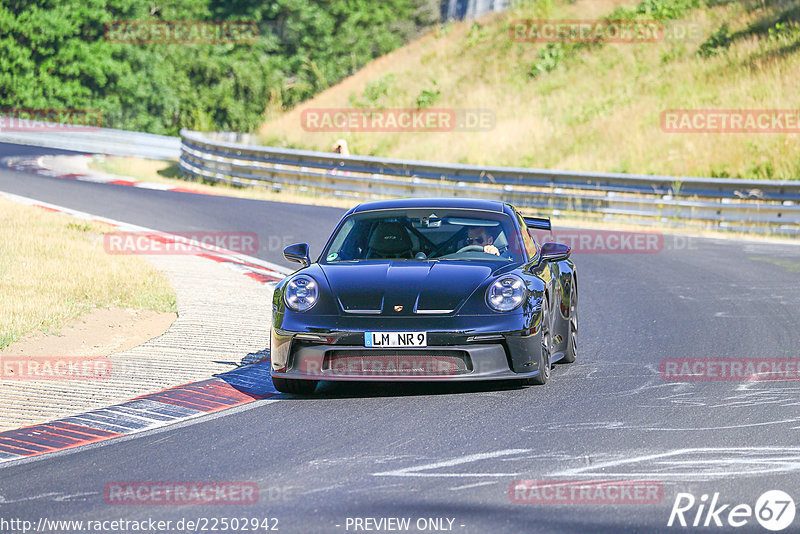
point(53, 268)
point(598, 110)
point(151, 170)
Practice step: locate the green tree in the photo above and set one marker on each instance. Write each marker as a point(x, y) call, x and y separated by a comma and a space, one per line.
point(54, 55)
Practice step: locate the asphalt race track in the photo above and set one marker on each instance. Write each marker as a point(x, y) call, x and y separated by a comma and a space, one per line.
point(452, 451)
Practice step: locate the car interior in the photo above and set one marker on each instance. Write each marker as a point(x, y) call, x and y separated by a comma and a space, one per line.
point(404, 238)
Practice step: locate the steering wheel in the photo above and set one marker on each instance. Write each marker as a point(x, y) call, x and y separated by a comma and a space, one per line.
point(461, 234)
point(470, 248)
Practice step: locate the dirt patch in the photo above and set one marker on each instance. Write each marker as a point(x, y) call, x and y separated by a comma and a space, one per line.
point(101, 332)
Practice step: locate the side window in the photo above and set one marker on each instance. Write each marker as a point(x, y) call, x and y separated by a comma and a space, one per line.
point(343, 243)
point(530, 243)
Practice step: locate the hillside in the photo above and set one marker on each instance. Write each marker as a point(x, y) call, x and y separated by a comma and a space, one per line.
point(592, 107)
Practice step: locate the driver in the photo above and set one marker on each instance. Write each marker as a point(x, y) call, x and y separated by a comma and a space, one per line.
point(477, 235)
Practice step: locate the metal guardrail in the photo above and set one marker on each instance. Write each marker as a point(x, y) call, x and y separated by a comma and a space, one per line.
point(731, 204)
point(96, 141)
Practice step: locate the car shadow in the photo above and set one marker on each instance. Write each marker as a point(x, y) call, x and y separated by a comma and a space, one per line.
point(347, 390)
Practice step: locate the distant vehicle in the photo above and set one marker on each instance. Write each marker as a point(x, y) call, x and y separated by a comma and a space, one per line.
point(426, 290)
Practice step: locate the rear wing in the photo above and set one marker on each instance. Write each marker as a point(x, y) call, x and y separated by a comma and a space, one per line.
point(539, 223)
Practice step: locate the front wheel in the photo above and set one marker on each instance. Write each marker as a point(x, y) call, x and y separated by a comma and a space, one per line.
point(545, 357)
point(298, 387)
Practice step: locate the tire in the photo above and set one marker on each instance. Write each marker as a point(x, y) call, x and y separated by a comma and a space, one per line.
point(572, 335)
point(298, 387)
point(545, 356)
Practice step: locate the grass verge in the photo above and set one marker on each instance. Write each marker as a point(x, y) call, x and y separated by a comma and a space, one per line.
point(53, 268)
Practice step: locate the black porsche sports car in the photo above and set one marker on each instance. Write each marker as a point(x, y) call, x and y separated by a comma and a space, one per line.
point(426, 289)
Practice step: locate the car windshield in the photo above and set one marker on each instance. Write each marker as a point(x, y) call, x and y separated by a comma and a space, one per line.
point(425, 235)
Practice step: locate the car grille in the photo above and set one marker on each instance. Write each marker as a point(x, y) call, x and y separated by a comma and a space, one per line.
point(397, 362)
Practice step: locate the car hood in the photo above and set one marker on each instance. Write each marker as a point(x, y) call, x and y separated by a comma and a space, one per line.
point(419, 287)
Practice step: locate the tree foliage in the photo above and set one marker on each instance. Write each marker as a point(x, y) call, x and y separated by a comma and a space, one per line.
point(54, 54)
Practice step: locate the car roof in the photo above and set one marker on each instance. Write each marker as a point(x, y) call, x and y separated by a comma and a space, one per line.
point(451, 203)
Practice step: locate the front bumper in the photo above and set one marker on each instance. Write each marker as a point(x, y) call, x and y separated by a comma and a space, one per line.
point(449, 357)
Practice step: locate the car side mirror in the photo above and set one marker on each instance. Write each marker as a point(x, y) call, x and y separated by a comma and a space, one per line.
point(554, 252)
point(297, 253)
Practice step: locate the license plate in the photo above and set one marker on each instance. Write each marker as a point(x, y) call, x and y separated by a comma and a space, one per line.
point(395, 339)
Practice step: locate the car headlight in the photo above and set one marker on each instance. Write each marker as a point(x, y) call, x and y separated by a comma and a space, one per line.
point(301, 293)
point(506, 293)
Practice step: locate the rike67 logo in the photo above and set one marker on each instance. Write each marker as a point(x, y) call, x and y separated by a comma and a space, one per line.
point(774, 510)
